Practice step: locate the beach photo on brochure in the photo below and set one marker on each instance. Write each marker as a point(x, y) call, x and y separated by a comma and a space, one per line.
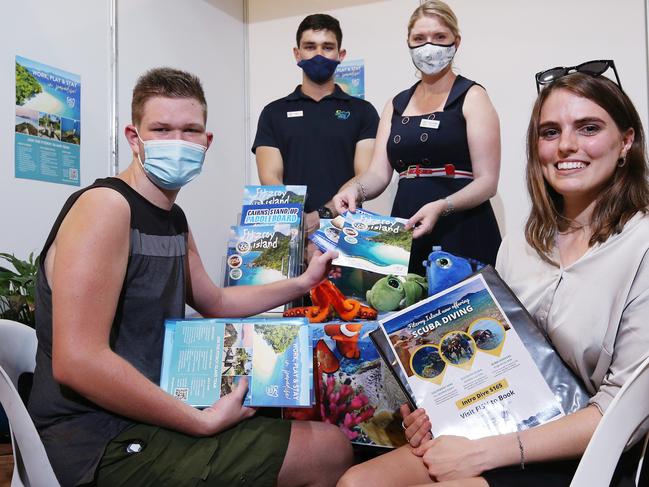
point(203, 359)
point(367, 241)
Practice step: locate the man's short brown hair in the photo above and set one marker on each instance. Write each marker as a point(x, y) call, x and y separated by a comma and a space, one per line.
point(168, 82)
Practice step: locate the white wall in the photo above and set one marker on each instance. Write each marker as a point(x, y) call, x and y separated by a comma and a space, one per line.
point(205, 37)
point(74, 36)
point(504, 42)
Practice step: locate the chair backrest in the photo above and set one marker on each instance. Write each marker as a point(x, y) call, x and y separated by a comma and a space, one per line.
point(17, 355)
point(628, 410)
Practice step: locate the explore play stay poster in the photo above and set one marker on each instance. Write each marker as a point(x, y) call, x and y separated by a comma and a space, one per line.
point(48, 123)
point(466, 365)
point(350, 76)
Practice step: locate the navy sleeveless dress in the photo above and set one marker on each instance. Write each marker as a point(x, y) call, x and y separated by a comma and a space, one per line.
point(472, 233)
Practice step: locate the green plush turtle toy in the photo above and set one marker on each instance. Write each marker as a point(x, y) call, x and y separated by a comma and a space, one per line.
point(397, 292)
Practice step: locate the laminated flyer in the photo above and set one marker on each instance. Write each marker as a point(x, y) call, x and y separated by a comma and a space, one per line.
point(375, 243)
point(204, 358)
point(260, 254)
point(460, 358)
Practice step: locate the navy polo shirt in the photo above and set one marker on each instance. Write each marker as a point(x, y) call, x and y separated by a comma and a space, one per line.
point(317, 139)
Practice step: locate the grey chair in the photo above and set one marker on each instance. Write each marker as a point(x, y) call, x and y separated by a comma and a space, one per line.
point(17, 355)
point(628, 410)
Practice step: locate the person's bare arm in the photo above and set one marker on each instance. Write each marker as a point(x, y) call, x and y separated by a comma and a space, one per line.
point(363, 155)
point(88, 267)
point(455, 457)
point(378, 175)
point(240, 301)
point(270, 165)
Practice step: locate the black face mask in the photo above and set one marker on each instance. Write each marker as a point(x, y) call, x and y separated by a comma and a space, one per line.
point(319, 69)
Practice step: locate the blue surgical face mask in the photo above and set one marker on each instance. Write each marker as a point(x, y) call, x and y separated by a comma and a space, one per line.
point(170, 164)
point(319, 68)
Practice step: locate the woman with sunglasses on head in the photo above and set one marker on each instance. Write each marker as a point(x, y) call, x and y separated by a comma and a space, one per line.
point(581, 268)
point(442, 136)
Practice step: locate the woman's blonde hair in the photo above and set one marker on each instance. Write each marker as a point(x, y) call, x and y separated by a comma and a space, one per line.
point(435, 8)
point(625, 194)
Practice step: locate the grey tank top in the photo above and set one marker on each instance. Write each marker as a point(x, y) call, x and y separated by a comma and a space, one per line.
point(75, 431)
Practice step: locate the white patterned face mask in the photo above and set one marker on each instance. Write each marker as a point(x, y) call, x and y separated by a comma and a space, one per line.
point(432, 58)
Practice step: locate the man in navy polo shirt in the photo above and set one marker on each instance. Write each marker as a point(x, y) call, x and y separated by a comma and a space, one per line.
point(318, 135)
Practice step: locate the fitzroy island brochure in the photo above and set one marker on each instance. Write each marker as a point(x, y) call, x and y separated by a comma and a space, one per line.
point(375, 243)
point(459, 357)
point(203, 358)
point(261, 254)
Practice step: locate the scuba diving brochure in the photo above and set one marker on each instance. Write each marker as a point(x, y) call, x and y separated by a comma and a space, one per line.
point(458, 356)
point(203, 359)
point(374, 243)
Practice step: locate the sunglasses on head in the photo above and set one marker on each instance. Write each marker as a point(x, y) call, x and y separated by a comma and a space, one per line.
point(593, 68)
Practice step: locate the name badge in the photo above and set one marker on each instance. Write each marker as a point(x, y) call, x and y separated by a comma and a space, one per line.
point(296, 113)
point(428, 123)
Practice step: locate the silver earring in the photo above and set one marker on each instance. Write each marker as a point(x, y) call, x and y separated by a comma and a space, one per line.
point(621, 161)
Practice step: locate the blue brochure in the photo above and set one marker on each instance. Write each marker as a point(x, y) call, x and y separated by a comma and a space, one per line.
point(203, 359)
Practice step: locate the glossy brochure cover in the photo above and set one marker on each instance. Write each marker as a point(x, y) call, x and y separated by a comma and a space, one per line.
point(204, 358)
point(459, 356)
point(375, 243)
point(353, 387)
point(274, 195)
point(268, 205)
point(261, 254)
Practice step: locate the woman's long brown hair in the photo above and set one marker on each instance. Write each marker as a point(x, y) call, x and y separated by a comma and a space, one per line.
point(624, 195)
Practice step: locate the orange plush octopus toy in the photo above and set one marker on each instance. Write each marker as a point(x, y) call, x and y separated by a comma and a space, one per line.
point(327, 299)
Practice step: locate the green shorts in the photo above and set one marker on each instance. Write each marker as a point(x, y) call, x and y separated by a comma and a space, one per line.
point(249, 454)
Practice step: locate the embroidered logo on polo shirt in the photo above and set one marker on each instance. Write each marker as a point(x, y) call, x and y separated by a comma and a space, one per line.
point(342, 114)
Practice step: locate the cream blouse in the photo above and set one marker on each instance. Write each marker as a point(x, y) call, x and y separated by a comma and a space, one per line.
point(596, 310)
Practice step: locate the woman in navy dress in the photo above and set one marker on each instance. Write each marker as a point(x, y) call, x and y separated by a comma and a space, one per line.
point(443, 138)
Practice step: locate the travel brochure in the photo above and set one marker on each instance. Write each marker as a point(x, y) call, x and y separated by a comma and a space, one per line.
point(353, 388)
point(459, 356)
point(260, 254)
point(367, 241)
point(203, 359)
point(267, 245)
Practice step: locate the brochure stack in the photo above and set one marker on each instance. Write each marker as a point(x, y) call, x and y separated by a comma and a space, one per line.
point(268, 243)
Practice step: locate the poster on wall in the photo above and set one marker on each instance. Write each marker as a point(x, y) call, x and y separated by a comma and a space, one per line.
point(350, 76)
point(48, 123)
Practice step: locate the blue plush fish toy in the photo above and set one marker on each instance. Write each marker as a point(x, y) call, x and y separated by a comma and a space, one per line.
point(444, 269)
